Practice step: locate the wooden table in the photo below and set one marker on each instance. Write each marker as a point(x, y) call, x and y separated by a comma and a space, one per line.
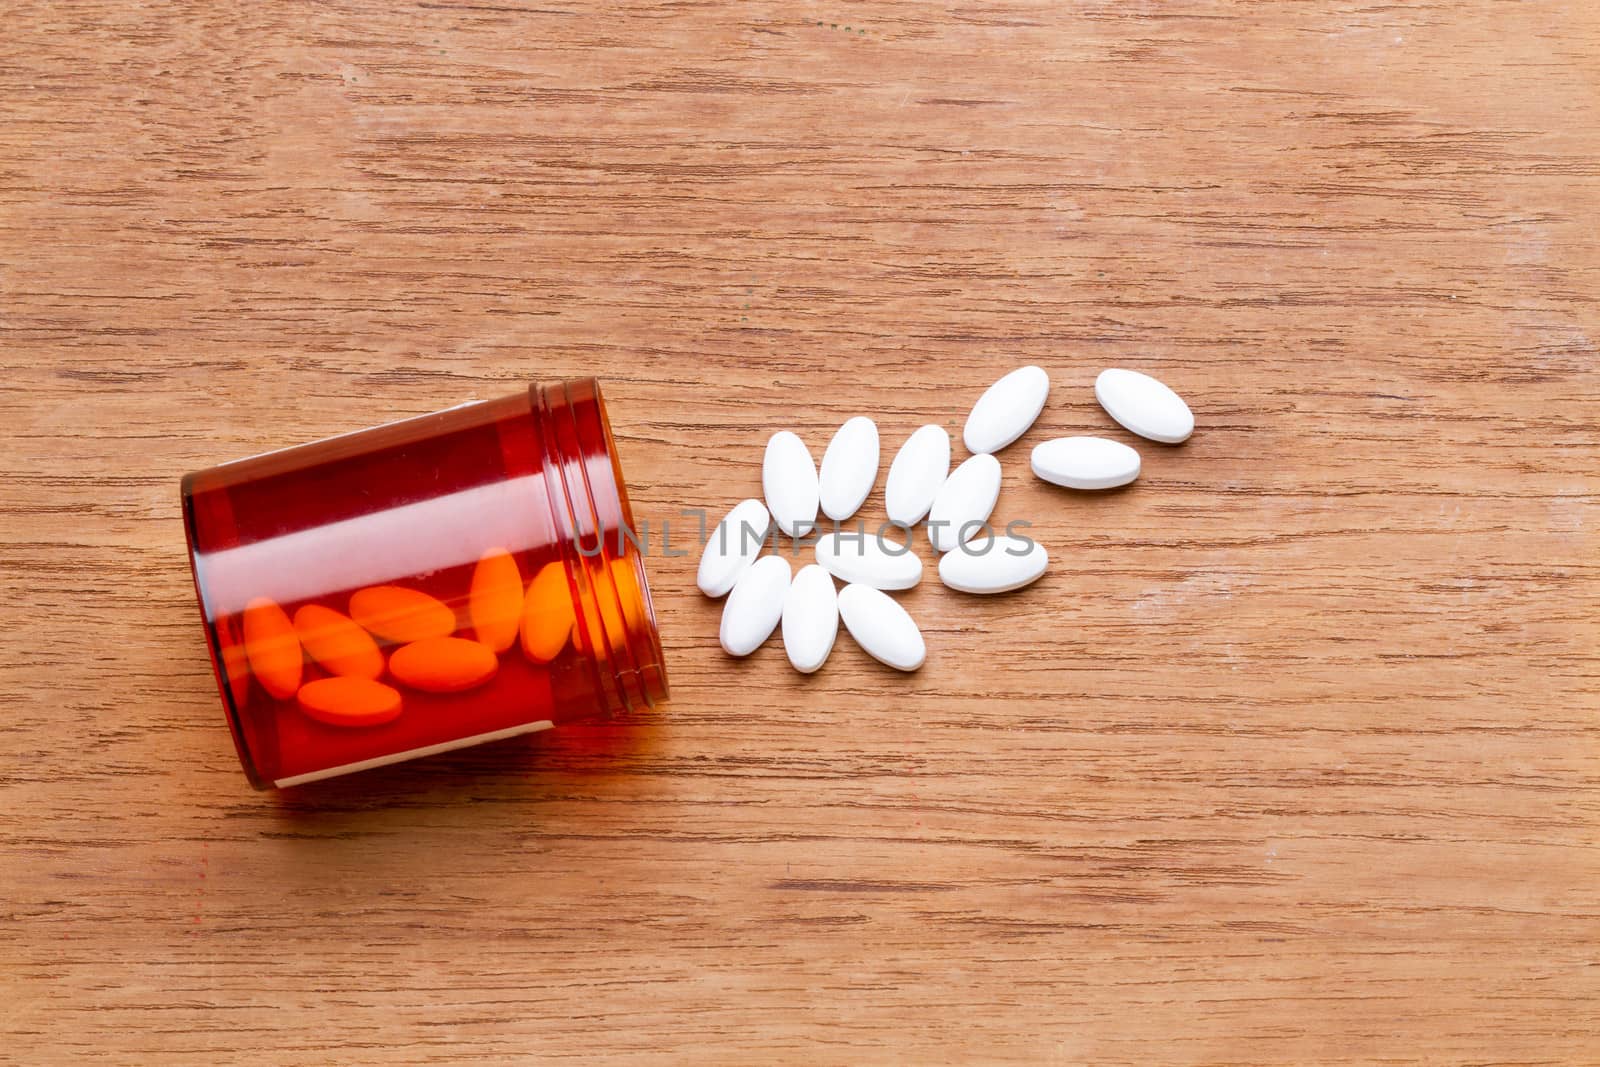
point(1292, 757)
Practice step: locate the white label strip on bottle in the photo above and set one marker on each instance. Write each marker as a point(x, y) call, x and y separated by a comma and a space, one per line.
point(415, 753)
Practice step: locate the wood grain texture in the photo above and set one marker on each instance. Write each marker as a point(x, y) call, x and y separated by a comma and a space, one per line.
point(1293, 757)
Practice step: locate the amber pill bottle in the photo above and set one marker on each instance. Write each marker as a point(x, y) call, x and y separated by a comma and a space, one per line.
point(421, 586)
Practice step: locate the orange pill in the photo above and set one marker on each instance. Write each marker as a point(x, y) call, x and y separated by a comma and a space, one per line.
point(350, 701)
point(547, 615)
point(272, 648)
point(443, 664)
point(337, 644)
point(628, 590)
point(401, 615)
point(494, 604)
point(620, 604)
point(610, 618)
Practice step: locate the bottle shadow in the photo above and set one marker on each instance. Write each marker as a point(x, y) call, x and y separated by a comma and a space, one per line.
point(595, 759)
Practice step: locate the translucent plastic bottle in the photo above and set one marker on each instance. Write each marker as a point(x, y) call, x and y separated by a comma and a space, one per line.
point(452, 579)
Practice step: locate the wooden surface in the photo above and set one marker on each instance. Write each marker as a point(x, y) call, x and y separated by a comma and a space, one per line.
point(1293, 757)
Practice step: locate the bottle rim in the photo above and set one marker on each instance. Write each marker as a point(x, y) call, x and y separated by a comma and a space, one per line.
point(583, 495)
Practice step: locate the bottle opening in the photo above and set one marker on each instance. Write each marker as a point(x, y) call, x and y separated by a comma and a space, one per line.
point(589, 505)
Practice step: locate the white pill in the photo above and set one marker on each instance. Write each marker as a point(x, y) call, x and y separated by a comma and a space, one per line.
point(732, 547)
point(789, 480)
point(861, 556)
point(754, 607)
point(1085, 462)
point(996, 564)
point(881, 627)
point(1006, 410)
point(1144, 405)
point(965, 502)
point(849, 468)
point(810, 618)
point(918, 470)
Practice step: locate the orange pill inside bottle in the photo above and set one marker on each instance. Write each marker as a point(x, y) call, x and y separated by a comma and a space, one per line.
point(453, 579)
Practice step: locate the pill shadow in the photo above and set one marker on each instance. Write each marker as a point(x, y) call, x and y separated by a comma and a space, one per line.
point(1088, 495)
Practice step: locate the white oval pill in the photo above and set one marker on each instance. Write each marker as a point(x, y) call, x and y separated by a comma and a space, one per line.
point(861, 556)
point(1006, 409)
point(1144, 405)
point(754, 607)
point(849, 468)
point(1085, 462)
point(918, 470)
point(810, 618)
point(789, 480)
point(996, 564)
point(881, 627)
point(965, 502)
point(732, 547)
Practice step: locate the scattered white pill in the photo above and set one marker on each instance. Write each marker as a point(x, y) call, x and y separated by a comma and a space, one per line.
point(965, 502)
point(956, 504)
point(1144, 405)
point(810, 618)
point(753, 609)
point(881, 627)
point(732, 547)
point(918, 470)
point(1006, 409)
point(789, 480)
point(849, 468)
point(860, 556)
point(996, 564)
point(1085, 462)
